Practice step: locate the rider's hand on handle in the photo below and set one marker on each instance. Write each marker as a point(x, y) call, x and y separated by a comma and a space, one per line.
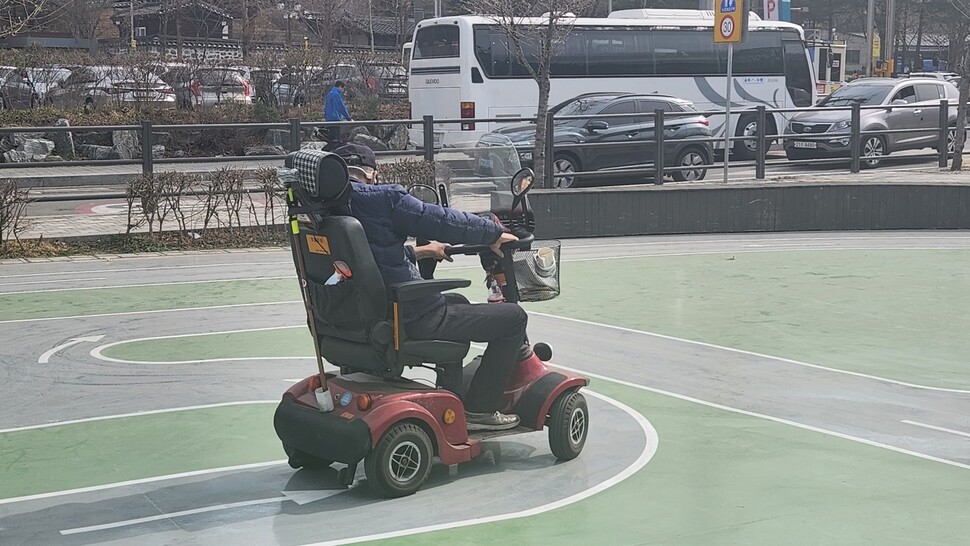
point(435, 250)
point(504, 238)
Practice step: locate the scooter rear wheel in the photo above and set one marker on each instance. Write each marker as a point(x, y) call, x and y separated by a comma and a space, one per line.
point(568, 425)
point(401, 461)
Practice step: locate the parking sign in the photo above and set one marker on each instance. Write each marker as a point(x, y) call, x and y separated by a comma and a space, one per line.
point(729, 22)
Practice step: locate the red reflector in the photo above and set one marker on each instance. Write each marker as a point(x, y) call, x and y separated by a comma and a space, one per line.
point(706, 122)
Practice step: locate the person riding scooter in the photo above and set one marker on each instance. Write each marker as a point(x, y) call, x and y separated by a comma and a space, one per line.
point(389, 215)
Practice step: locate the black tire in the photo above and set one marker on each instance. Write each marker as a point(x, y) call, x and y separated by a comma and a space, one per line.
point(298, 459)
point(401, 461)
point(568, 423)
point(691, 156)
point(566, 163)
point(874, 150)
point(746, 150)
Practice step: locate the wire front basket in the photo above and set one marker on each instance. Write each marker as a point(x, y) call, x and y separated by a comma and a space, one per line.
point(537, 271)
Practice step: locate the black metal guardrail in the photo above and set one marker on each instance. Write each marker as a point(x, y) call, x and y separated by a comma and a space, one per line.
point(657, 169)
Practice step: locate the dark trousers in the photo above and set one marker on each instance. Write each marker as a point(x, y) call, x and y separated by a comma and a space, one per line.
point(335, 136)
point(501, 325)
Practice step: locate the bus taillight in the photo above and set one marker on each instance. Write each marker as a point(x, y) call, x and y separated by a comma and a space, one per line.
point(468, 112)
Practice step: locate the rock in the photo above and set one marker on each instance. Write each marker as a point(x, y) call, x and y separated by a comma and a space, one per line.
point(277, 137)
point(399, 138)
point(95, 152)
point(125, 144)
point(52, 158)
point(158, 151)
point(15, 156)
point(37, 148)
point(313, 145)
point(358, 131)
point(63, 141)
point(264, 150)
point(164, 139)
point(371, 142)
point(179, 153)
point(14, 141)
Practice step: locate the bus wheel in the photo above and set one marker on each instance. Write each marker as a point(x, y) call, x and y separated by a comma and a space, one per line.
point(565, 164)
point(746, 150)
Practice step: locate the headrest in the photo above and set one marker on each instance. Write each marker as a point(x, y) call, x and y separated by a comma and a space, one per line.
point(322, 176)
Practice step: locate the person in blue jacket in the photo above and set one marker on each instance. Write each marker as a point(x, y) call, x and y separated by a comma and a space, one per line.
point(389, 215)
point(335, 110)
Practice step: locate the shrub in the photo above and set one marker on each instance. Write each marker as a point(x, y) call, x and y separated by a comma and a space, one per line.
point(13, 211)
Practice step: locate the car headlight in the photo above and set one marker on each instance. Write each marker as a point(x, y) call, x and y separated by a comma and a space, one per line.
point(842, 125)
point(788, 128)
point(527, 156)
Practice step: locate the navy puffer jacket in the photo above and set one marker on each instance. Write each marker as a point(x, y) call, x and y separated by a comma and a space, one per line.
point(390, 215)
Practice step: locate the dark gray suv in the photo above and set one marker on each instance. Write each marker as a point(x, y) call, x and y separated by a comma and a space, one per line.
point(910, 104)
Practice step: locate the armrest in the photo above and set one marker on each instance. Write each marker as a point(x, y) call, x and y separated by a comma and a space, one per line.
point(412, 290)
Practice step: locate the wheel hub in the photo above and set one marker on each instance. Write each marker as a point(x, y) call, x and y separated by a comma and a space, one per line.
point(404, 461)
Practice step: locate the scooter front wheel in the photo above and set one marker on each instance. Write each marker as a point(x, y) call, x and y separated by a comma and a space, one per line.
point(401, 461)
point(568, 425)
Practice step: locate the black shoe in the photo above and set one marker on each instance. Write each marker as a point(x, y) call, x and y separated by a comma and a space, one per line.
point(491, 421)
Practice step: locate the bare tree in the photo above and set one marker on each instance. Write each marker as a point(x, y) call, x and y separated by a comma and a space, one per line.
point(951, 18)
point(17, 16)
point(534, 41)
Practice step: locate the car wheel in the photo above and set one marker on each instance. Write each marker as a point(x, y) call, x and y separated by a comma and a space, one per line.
point(565, 164)
point(401, 461)
point(4, 105)
point(746, 150)
point(690, 157)
point(951, 141)
point(873, 151)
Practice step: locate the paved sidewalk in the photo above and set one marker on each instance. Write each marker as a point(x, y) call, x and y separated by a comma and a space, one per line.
point(112, 218)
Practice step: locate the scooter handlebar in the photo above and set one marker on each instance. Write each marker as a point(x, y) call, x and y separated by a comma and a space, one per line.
point(524, 242)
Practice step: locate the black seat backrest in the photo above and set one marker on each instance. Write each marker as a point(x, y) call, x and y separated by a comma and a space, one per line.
point(351, 309)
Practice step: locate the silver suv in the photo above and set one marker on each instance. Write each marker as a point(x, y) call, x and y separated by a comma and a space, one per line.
point(910, 104)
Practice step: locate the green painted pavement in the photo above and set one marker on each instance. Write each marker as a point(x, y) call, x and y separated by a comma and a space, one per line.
point(728, 479)
point(899, 314)
point(129, 448)
point(34, 305)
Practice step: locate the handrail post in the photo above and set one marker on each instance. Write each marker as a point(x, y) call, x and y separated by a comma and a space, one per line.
point(855, 138)
point(550, 146)
point(658, 141)
point(295, 136)
point(943, 146)
point(147, 143)
point(429, 138)
point(762, 143)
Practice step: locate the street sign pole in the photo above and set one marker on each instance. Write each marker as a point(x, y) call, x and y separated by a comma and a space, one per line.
point(727, 110)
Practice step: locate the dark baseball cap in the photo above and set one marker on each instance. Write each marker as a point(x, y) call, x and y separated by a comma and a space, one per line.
point(357, 155)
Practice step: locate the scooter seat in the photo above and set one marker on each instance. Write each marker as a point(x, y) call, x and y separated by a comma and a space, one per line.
point(435, 351)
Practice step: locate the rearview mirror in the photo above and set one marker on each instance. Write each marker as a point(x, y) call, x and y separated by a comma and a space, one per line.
point(522, 182)
point(597, 125)
point(425, 193)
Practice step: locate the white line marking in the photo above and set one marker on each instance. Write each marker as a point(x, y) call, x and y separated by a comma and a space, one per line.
point(769, 418)
point(46, 357)
point(299, 497)
point(151, 312)
point(154, 284)
point(752, 353)
point(21, 283)
point(133, 269)
point(936, 428)
point(649, 450)
point(758, 251)
point(143, 481)
point(138, 414)
point(688, 240)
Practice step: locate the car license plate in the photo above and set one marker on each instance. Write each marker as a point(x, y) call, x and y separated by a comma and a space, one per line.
point(438, 137)
point(806, 144)
point(485, 163)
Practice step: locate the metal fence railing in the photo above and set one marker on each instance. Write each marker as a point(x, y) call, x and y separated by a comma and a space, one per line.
point(652, 139)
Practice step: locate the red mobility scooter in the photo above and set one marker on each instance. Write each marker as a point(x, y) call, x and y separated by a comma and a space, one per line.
point(369, 412)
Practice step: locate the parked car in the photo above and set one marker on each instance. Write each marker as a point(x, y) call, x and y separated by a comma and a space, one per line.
point(951, 77)
point(16, 90)
point(93, 87)
point(203, 87)
point(45, 79)
point(618, 142)
point(392, 81)
point(921, 95)
point(300, 87)
point(358, 83)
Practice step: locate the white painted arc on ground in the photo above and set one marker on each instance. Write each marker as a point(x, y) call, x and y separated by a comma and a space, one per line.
point(752, 353)
point(46, 356)
point(649, 450)
point(937, 428)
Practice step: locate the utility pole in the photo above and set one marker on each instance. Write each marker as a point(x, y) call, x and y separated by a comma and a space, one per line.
point(889, 49)
point(870, 35)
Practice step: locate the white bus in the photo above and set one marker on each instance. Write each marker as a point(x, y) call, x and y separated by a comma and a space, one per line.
point(461, 67)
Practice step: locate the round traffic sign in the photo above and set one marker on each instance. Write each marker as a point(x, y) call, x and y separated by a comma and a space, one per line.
point(727, 27)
